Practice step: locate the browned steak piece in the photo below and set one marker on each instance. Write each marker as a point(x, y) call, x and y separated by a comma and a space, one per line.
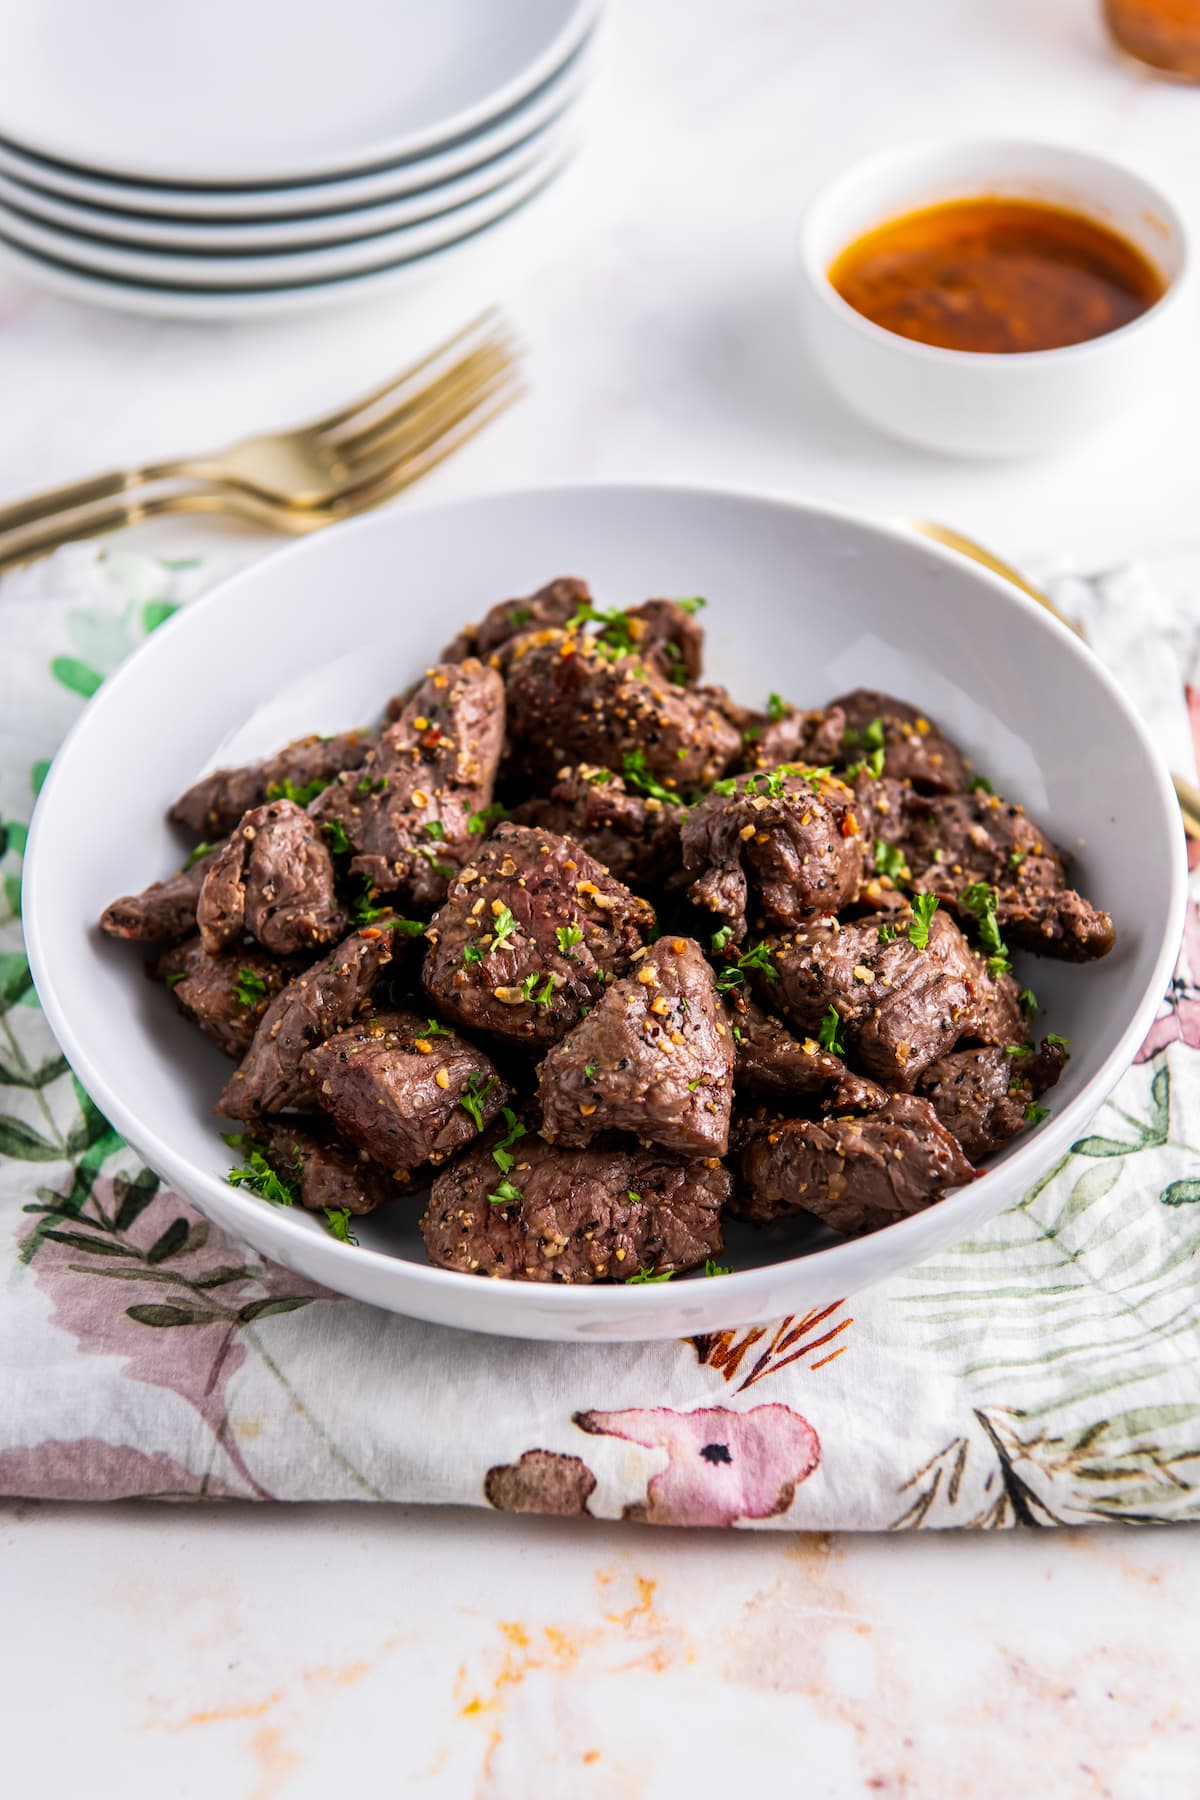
point(529, 935)
point(785, 841)
point(786, 734)
point(273, 879)
point(654, 1058)
point(983, 1096)
point(308, 1010)
point(162, 913)
point(573, 698)
point(405, 816)
point(635, 836)
point(213, 806)
point(899, 1006)
point(997, 1016)
point(856, 1175)
point(321, 1170)
point(771, 1064)
point(552, 605)
point(667, 634)
point(404, 1089)
point(914, 748)
point(575, 1215)
point(226, 994)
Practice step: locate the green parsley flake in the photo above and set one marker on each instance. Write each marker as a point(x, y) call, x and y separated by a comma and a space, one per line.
point(1027, 1000)
point(725, 787)
point(434, 828)
point(692, 606)
point(568, 936)
point(471, 954)
point(890, 861)
point(506, 1192)
point(503, 928)
point(371, 784)
point(829, 1036)
point(249, 987)
point(979, 784)
point(479, 822)
point(1034, 1114)
point(721, 938)
point(923, 906)
point(631, 1195)
point(645, 1276)
point(258, 1175)
point(757, 958)
point(335, 831)
point(337, 1224)
point(433, 1029)
point(777, 708)
point(886, 934)
point(1018, 1050)
point(1064, 1044)
point(174, 980)
point(513, 1129)
point(430, 855)
point(202, 849)
point(473, 1095)
point(980, 901)
point(589, 1070)
point(715, 1268)
point(636, 773)
point(299, 796)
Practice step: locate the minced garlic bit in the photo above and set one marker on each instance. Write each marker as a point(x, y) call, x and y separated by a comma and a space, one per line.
point(648, 976)
point(424, 1046)
point(746, 833)
point(443, 1077)
point(862, 973)
point(509, 996)
point(419, 797)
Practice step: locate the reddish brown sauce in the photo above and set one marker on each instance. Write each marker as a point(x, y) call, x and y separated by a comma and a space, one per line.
point(996, 275)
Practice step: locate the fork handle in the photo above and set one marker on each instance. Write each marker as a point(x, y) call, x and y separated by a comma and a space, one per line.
point(53, 501)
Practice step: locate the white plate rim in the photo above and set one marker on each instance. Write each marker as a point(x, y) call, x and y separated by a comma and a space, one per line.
point(639, 1311)
point(288, 200)
point(578, 21)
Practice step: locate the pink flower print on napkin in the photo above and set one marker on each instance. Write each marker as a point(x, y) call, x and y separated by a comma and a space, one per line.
point(1180, 1023)
point(723, 1465)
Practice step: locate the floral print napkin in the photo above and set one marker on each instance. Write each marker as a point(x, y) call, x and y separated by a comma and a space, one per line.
point(1045, 1372)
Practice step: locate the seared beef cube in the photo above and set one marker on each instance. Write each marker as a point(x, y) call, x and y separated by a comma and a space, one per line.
point(665, 633)
point(914, 748)
point(635, 836)
point(308, 1010)
point(899, 1006)
point(273, 879)
point(1054, 922)
point(552, 605)
point(981, 1096)
point(404, 1089)
point(571, 698)
point(213, 806)
point(162, 913)
point(654, 1058)
point(790, 838)
point(226, 994)
point(321, 1170)
point(856, 1175)
point(575, 1215)
point(405, 815)
point(790, 735)
point(771, 1064)
point(529, 936)
point(997, 1016)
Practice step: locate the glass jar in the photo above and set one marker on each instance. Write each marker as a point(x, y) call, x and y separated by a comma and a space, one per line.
point(1163, 35)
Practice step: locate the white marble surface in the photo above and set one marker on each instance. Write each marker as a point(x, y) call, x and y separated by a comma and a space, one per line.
point(159, 1651)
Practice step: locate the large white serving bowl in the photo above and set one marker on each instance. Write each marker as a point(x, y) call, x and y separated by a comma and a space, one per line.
point(803, 601)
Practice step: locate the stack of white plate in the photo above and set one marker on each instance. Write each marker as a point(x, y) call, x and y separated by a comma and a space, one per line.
point(251, 156)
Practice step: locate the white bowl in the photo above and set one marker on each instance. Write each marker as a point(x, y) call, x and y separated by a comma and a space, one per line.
point(803, 601)
point(1026, 404)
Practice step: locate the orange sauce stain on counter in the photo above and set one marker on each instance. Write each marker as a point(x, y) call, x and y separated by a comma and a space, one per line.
point(998, 276)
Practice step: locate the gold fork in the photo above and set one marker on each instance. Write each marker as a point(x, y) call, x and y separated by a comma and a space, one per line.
point(311, 465)
point(1186, 791)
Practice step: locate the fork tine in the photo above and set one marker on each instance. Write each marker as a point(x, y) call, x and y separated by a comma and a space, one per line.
point(412, 469)
point(462, 378)
point(357, 409)
point(420, 436)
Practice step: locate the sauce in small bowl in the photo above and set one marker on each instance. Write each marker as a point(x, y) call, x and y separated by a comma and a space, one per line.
point(996, 276)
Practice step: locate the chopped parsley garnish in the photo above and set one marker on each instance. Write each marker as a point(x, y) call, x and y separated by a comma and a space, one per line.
point(889, 861)
point(430, 855)
point(434, 828)
point(829, 1036)
point(299, 796)
point(645, 1276)
point(692, 606)
point(371, 784)
point(479, 822)
point(504, 927)
point(693, 1085)
point(737, 1034)
point(258, 1175)
point(335, 831)
point(923, 908)
point(714, 1268)
point(721, 938)
point(471, 954)
point(886, 933)
point(174, 980)
point(631, 1195)
point(473, 1094)
point(1064, 1044)
point(513, 1129)
point(614, 637)
point(777, 708)
point(726, 786)
point(589, 1070)
point(568, 936)
point(547, 993)
point(979, 784)
point(633, 766)
point(518, 616)
point(1034, 1114)
point(337, 1224)
point(202, 849)
point(873, 744)
point(757, 957)
point(1017, 857)
point(506, 1192)
point(1017, 1050)
point(980, 901)
point(249, 986)
point(1027, 1000)
point(433, 1029)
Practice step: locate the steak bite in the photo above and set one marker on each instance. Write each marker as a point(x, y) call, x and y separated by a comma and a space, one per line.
point(578, 1215)
point(898, 1006)
point(552, 605)
point(574, 698)
point(529, 935)
point(654, 1058)
point(983, 1097)
point(771, 1064)
point(322, 1171)
point(914, 749)
point(273, 879)
point(635, 836)
point(164, 912)
point(405, 816)
point(855, 1175)
point(665, 632)
point(226, 994)
point(404, 1089)
point(213, 806)
point(786, 837)
point(309, 1009)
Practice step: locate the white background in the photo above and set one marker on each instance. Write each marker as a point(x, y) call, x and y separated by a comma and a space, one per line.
point(384, 1651)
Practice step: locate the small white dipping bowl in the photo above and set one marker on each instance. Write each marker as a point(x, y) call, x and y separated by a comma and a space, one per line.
point(973, 404)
